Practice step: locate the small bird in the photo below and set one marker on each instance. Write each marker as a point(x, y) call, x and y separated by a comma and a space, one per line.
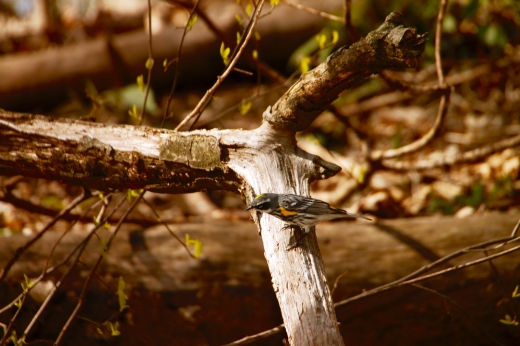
point(299, 210)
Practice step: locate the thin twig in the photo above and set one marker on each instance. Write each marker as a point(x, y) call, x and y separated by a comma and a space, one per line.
point(65, 260)
point(259, 336)
point(194, 115)
point(78, 250)
point(168, 228)
point(465, 157)
point(149, 62)
point(178, 61)
point(443, 103)
point(347, 17)
point(468, 316)
point(314, 11)
point(85, 194)
point(94, 268)
point(262, 66)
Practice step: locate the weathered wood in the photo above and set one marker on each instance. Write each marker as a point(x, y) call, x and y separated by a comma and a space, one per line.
point(233, 253)
point(231, 279)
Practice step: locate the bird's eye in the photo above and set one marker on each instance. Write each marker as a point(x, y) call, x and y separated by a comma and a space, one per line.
point(263, 206)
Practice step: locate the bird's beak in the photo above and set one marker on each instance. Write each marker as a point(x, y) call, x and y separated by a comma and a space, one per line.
point(250, 207)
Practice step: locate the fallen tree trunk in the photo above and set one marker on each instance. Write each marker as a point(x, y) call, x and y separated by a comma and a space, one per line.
point(233, 252)
point(45, 77)
point(152, 260)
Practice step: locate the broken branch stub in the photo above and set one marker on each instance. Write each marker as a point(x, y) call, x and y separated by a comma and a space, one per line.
point(391, 46)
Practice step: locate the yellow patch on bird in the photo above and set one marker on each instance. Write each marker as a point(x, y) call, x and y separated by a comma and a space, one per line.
point(260, 195)
point(286, 212)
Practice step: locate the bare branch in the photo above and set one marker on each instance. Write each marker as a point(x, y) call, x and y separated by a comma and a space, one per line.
point(195, 113)
point(313, 11)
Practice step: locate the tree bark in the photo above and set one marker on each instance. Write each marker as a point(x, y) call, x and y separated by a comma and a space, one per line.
point(250, 162)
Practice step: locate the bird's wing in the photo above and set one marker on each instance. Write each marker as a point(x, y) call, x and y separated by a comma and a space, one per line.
point(310, 205)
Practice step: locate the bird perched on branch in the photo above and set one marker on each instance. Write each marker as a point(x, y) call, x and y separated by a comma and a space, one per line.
point(299, 210)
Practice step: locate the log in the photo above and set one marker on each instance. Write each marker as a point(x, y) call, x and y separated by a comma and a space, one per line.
point(47, 76)
point(233, 250)
point(231, 279)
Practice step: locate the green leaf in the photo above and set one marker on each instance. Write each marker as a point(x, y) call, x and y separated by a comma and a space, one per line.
point(335, 38)
point(239, 36)
point(255, 54)
point(245, 106)
point(131, 194)
point(305, 64)
point(149, 64)
point(509, 321)
point(274, 2)
point(516, 294)
point(133, 95)
point(192, 21)
point(140, 82)
point(449, 25)
point(27, 285)
point(495, 35)
point(197, 245)
point(322, 39)
point(224, 53)
point(239, 19)
point(122, 297)
point(114, 329)
point(134, 114)
point(249, 9)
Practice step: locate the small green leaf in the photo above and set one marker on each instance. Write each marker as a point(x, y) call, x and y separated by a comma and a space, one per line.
point(516, 294)
point(509, 321)
point(274, 2)
point(140, 82)
point(257, 36)
point(255, 54)
point(449, 25)
point(197, 245)
point(28, 282)
point(122, 297)
point(239, 19)
point(165, 63)
point(131, 194)
point(149, 64)
point(305, 64)
point(322, 39)
point(114, 329)
point(249, 9)
point(133, 113)
point(362, 175)
point(335, 38)
point(18, 303)
point(95, 220)
point(245, 106)
point(239, 37)
point(224, 53)
point(192, 21)
point(99, 330)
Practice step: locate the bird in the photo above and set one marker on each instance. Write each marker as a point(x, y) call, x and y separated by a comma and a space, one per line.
point(297, 210)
